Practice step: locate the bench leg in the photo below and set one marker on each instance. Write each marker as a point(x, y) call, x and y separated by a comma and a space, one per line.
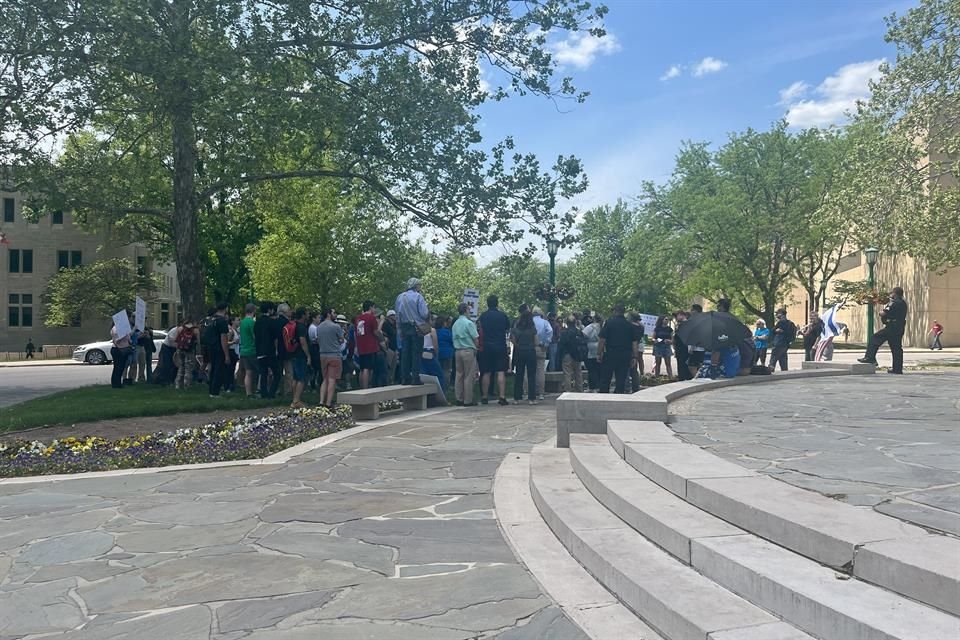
point(366, 411)
point(418, 403)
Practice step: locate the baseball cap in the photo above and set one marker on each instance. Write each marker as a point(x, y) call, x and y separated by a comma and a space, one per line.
point(341, 317)
point(391, 313)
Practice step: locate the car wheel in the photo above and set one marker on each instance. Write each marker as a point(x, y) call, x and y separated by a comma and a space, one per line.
point(96, 357)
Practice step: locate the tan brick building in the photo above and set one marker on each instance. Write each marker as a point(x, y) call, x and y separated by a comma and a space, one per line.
point(930, 296)
point(36, 251)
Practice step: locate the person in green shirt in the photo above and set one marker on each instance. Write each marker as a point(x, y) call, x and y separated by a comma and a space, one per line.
point(465, 342)
point(248, 349)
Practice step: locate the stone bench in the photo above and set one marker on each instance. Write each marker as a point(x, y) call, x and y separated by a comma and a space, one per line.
point(365, 402)
point(553, 381)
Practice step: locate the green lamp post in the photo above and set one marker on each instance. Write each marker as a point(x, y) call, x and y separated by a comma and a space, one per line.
point(553, 246)
point(871, 255)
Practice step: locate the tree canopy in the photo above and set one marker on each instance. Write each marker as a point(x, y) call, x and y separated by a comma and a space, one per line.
point(99, 289)
point(184, 102)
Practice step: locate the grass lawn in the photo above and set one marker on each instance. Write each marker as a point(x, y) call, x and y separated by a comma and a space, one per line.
point(102, 402)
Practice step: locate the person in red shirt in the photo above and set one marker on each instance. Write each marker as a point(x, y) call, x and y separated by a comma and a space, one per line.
point(936, 331)
point(367, 331)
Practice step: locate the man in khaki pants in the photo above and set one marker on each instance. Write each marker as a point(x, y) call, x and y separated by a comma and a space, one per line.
point(466, 339)
point(544, 338)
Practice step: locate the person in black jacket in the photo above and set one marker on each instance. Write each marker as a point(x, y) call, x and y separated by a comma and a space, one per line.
point(894, 318)
point(266, 342)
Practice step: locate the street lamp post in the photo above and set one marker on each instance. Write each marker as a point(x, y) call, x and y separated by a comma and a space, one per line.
point(553, 246)
point(871, 254)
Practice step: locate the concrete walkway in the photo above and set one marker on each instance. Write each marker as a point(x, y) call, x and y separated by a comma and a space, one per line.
point(389, 534)
point(889, 442)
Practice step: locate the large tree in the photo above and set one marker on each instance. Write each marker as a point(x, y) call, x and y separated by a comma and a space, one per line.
point(740, 221)
point(219, 95)
point(321, 249)
point(908, 138)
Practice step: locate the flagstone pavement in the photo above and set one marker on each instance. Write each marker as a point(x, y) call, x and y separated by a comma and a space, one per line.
point(883, 441)
point(388, 534)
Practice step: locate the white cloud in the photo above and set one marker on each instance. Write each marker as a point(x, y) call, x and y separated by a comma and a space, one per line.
point(671, 73)
point(709, 65)
point(581, 49)
point(837, 95)
point(797, 90)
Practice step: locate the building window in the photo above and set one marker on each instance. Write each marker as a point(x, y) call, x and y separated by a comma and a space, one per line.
point(20, 310)
point(141, 265)
point(8, 209)
point(67, 259)
point(57, 217)
point(21, 261)
point(164, 315)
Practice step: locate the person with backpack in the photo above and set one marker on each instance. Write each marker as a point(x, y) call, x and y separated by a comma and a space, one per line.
point(784, 333)
point(185, 357)
point(216, 339)
point(573, 352)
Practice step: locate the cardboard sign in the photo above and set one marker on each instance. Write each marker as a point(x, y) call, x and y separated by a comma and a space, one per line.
point(472, 299)
point(121, 320)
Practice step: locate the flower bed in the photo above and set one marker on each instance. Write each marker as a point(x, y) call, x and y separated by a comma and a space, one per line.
point(650, 380)
point(246, 438)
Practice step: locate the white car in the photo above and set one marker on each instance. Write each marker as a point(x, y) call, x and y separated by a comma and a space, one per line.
point(99, 352)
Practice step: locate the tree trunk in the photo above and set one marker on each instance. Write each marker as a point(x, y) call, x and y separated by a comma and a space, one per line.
point(186, 243)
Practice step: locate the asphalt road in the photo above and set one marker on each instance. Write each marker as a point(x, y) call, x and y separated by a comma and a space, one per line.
point(19, 383)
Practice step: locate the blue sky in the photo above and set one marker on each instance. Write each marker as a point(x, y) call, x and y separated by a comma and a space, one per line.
point(736, 64)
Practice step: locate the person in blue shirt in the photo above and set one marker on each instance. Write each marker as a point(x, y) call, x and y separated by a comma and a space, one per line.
point(412, 312)
point(444, 345)
point(761, 337)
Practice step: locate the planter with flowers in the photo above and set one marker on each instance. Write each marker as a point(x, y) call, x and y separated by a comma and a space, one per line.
point(248, 438)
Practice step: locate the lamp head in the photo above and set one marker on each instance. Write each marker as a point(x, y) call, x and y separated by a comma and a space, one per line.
point(871, 254)
point(553, 246)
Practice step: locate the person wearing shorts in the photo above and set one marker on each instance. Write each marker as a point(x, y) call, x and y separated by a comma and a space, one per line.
point(367, 332)
point(493, 358)
point(330, 336)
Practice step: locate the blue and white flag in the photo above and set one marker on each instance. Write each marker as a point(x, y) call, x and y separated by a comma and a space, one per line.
point(832, 327)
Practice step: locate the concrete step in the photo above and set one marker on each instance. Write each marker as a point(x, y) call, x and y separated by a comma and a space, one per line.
point(673, 598)
point(889, 552)
point(808, 595)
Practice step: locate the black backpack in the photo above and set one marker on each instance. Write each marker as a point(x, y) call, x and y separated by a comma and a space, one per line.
point(791, 334)
point(208, 332)
point(580, 350)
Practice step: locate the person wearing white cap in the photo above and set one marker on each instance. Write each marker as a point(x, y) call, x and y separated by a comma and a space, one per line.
point(413, 317)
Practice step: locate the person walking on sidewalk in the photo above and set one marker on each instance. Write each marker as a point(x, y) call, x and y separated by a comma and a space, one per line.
point(31, 349)
point(894, 318)
point(936, 331)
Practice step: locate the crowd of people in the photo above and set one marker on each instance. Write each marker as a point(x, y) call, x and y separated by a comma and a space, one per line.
point(275, 350)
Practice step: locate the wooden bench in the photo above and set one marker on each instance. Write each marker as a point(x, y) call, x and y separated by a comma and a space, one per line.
point(365, 402)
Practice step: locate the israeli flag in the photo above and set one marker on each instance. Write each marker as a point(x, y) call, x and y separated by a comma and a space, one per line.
point(832, 327)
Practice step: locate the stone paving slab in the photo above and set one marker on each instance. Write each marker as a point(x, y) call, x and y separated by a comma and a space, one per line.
point(388, 534)
point(889, 442)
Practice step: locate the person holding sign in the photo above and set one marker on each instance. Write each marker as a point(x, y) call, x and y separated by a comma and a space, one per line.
point(121, 349)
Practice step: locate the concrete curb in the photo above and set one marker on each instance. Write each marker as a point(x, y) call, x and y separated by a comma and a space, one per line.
point(280, 457)
point(589, 412)
point(594, 609)
point(21, 364)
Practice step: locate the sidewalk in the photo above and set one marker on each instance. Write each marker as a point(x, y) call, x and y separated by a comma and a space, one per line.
point(39, 363)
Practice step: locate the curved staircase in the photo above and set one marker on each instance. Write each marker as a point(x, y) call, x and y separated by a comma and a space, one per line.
point(700, 548)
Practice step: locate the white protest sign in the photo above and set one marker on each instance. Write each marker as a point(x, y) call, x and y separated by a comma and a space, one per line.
point(472, 299)
point(122, 322)
point(649, 323)
point(140, 316)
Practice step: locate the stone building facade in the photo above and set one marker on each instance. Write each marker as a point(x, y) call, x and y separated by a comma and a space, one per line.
point(35, 251)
